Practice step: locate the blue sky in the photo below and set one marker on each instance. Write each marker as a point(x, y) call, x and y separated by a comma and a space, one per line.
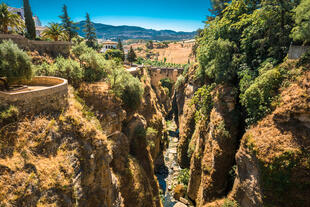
point(179, 15)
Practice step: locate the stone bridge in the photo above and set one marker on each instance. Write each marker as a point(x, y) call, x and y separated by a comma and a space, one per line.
point(157, 73)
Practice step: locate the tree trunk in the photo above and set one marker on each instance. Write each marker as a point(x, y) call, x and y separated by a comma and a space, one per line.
point(6, 85)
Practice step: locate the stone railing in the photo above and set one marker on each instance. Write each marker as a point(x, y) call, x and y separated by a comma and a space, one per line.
point(53, 96)
point(52, 48)
point(296, 52)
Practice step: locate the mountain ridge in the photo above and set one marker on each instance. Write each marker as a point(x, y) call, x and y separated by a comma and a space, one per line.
point(124, 32)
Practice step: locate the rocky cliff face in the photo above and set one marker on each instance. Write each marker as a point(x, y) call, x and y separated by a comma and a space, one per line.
point(273, 157)
point(273, 160)
point(212, 149)
point(56, 159)
point(133, 157)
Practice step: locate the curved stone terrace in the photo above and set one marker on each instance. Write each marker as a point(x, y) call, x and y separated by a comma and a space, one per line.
point(41, 93)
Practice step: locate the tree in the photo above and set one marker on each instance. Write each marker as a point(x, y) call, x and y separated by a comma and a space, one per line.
point(131, 55)
point(15, 64)
point(9, 19)
point(67, 24)
point(55, 32)
point(149, 45)
point(90, 32)
point(301, 32)
point(218, 6)
point(113, 54)
point(121, 48)
point(30, 25)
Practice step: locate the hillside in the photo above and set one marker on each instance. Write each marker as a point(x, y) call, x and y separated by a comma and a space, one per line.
point(178, 52)
point(131, 32)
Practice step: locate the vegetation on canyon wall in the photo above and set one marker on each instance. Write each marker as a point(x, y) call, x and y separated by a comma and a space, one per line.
point(238, 81)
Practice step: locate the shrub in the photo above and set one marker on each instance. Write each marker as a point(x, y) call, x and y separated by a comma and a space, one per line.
point(230, 203)
point(8, 115)
point(95, 66)
point(151, 132)
point(302, 18)
point(180, 82)
point(68, 69)
point(167, 83)
point(216, 58)
point(258, 97)
point(114, 54)
point(15, 64)
point(203, 102)
point(132, 94)
point(80, 49)
point(183, 177)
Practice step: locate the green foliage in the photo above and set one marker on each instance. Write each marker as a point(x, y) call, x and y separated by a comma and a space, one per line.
point(95, 65)
point(8, 115)
point(68, 69)
point(161, 64)
point(54, 32)
point(216, 58)
point(302, 18)
point(81, 48)
point(167, 83)
point(151, 132)
point(15, 64)
point(114, 54)
point(131, 55)
point(131, 94)
point(258, 97)
point(64, 68)
point(125, 86)
point(180, 82)
point(203, 103)
point(30, 25)
point(230, 203)
point(90, 33)
point(9, 19)
point(149, 45)
point(68, 24)
point(183, 177)
point(140, 132)
point(277, 174)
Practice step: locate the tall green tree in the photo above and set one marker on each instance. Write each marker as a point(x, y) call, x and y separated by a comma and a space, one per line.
point(218, 6)
point(121, 48)
point(30, 25)
point(301, 32)
point(9, 19)
point(90, 33)
point(131, 55)
point(68, 24)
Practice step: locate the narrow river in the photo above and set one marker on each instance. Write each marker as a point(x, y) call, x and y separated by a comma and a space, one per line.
point(167, 175)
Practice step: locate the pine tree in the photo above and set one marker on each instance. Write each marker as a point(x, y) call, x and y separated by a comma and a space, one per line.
point(131, 55)
point(67, 24)
point(30, 25)
point(120, 45)
point(90, 32)
point(121, 48)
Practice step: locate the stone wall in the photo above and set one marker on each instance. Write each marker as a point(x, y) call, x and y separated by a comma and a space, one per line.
point(160, 73)
point(296, 52)
point(53, 97)
point(51, 48)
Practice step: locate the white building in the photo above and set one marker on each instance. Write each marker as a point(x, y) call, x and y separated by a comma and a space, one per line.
point(21, 13)
point(107, 45)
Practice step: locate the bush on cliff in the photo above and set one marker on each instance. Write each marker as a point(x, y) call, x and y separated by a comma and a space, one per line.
point(69, 69)
point(64, 68)
point(15, 64)
point(258, 97)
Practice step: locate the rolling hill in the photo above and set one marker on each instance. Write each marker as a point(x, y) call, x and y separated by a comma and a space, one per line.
point(132, 32)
